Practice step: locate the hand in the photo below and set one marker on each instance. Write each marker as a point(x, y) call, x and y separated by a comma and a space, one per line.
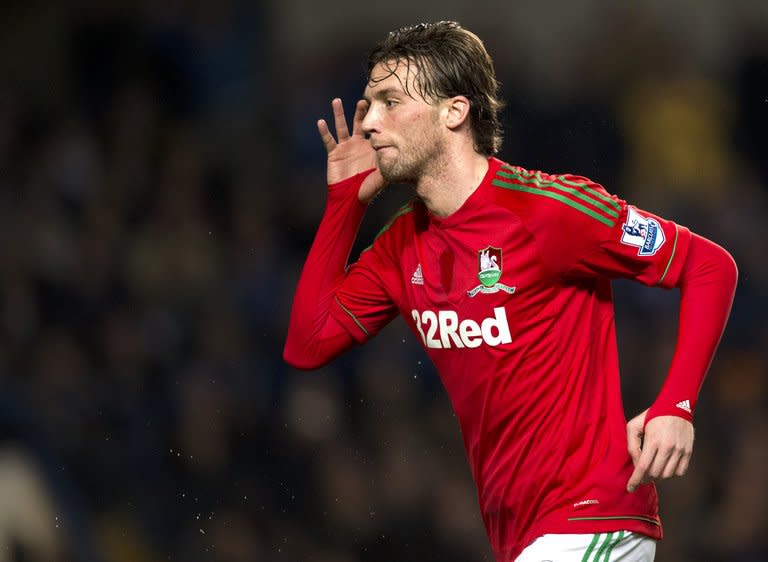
point(351, 154)
point(662, 451)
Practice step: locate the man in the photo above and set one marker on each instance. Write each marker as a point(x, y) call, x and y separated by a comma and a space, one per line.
point(504, 275)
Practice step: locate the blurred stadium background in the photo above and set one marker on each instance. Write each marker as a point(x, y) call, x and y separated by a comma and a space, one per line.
point(160, 184)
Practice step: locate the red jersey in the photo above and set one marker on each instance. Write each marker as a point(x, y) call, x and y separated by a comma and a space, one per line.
point(511, 298)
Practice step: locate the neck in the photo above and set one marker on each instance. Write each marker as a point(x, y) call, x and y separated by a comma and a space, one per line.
point(452, 181)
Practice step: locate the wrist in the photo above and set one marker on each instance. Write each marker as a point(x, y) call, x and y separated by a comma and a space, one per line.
point(663, 407)
point(349, 186)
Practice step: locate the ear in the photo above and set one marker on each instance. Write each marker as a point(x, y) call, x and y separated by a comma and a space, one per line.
point(456, 111)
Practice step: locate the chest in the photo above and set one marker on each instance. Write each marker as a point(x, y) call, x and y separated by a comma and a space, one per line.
point(471, 285)
point(471, 266)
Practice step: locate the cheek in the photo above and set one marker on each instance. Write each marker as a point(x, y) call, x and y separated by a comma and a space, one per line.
point(415, 128)
point(429, 133)
point(422, 127)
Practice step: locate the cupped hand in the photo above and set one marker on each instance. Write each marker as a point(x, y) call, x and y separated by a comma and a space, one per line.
point(350, 154)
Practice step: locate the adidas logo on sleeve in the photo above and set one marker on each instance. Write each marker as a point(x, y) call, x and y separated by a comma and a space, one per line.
point(684, 405)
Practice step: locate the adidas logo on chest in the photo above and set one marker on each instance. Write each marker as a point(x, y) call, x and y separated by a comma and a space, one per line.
point(418, 276)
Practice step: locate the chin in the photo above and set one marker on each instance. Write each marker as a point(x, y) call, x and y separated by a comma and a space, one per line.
point(394, 177)
point(394, 174)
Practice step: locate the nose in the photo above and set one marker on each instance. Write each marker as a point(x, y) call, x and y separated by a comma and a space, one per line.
point(371, 122)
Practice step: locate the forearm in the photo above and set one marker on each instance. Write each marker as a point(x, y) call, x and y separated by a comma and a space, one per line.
point(314, 337)
point(707, 285)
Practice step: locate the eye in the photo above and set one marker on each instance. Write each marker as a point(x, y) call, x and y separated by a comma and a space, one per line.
point(390, 103)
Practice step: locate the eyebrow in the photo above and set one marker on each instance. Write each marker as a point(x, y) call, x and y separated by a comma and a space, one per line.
point(384, 92)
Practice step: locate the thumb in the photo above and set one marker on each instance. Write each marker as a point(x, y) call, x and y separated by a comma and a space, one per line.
point(635, 436)
point(634, 442)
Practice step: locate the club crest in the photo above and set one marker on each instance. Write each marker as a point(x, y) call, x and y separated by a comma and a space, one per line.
point(489, 269)
point(489, 265)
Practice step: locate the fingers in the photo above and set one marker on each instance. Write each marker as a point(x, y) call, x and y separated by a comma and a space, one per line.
point(357, 122)
point(666, 449)
point(342, 131)
point(670, 469)
point(677, 465)
point(664, 461)
point(682, 466)
point(325, 135)
point(643, 465)
point(659, 463)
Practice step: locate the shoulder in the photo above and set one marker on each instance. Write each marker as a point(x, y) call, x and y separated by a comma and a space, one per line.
point(537, 197)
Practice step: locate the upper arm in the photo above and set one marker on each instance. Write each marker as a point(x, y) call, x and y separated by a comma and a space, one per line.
point(585, 232)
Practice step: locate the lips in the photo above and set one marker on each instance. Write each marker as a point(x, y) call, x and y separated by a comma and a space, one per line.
point(378, 143)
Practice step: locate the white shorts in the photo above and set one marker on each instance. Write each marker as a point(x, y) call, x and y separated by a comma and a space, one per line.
point(618, 546)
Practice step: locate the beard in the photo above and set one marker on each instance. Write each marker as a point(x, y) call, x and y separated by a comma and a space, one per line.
point(420, 157)
point(399, 171)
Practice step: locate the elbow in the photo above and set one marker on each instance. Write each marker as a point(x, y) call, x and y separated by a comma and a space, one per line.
point(307, 348)
point(734, 269)
point(302, 361)
point(710, 262)
point(725, 273)
point(730, 271)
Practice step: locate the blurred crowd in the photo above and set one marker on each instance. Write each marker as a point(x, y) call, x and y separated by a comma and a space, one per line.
point(160, 185)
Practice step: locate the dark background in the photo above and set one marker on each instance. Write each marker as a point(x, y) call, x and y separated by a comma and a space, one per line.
point(160, 183)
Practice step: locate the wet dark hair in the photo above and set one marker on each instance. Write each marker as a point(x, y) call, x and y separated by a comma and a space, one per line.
point(447, 60)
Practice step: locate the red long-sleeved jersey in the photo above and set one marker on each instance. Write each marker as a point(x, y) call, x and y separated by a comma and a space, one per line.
point(511, 298)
